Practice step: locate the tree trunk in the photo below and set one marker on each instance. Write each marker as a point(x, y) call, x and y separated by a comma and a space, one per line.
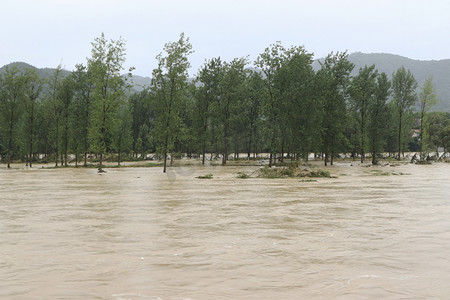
point(203, 152)
point(362, 136)
point(10, 139)
point(57, 142)
point(9, 148)
point(399, 136)
point(165, 153)
point(421, 135)
point(374, 159)
point(100, 168)
point(31, 134)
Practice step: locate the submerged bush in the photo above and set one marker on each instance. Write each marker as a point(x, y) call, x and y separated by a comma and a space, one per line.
point(207, 176)
point(243, 175)
point(292, 171)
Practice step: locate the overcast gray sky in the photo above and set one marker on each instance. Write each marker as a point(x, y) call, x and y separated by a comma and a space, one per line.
point(45, 33)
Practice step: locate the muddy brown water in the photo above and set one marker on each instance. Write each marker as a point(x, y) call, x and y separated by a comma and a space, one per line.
point(136, 233)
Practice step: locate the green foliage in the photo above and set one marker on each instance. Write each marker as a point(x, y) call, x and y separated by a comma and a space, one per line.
point(228, 105)
point(12, 98)
point(122, 138)
point(169, 85)
point(363, 92)
point(105, 65)
point(205, 95)
point(292, 171)
point(427, 100)
point(142, 122)
point(379, 117)
point(286, 107)
point(80, 116)
point(404, 93)
point(333, 82)
point(243, 176)
point(438, 128)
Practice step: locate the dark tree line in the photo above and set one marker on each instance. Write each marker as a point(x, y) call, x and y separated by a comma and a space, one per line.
point(284, 108)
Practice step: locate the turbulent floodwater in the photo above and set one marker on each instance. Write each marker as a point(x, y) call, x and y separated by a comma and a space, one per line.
point(136, 233)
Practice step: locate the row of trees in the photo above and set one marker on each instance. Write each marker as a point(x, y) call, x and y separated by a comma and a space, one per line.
point(84, 112)
point(284, 107)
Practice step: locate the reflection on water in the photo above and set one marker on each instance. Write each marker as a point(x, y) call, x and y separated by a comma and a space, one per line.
point(137, 233)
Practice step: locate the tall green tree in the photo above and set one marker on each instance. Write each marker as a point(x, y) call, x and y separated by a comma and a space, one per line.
point(65, 95)
point(334, 80)
point(427, 99)
point(33, 88)
point(252, 112)
point(227, 104)
point(81, 112)
point(437, 128)
point(275, 106)
point(122, 138)
point(105, 64)
point(169, 85)
point(270, 61)
point(301, 110)
point(53, 110)
point(142, 122)
point(362, 92)
point(404, 93)
point(11, 104)
point(378, 117)
point(208, 79)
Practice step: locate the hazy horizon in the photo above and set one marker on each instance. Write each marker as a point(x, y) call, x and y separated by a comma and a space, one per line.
point(46, 33)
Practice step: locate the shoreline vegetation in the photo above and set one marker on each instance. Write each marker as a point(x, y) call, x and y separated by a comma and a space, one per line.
point(280, 104)
point(307, 171)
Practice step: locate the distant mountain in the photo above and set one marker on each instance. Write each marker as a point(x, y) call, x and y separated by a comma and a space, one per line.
point(43, 73)
point(388, 63)
point(421, 69)
point(138, 82)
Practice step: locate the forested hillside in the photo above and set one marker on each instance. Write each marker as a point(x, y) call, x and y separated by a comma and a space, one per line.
point(389, 63)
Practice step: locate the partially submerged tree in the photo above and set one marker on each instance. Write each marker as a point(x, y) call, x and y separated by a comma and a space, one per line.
point(81, 112)
point(65, 95)
point(226, 105)
point(105, 65)
point(427, 99)
point(334, 79)
point(53, 107)
point(169, 85)
point(11, 103)
point(362, 91)
point(33, 88)
point(404, 93)
point(122, 138)
point(378, 117)
point(208, 78)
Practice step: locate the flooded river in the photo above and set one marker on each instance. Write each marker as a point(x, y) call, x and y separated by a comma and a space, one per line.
point(136, 233)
